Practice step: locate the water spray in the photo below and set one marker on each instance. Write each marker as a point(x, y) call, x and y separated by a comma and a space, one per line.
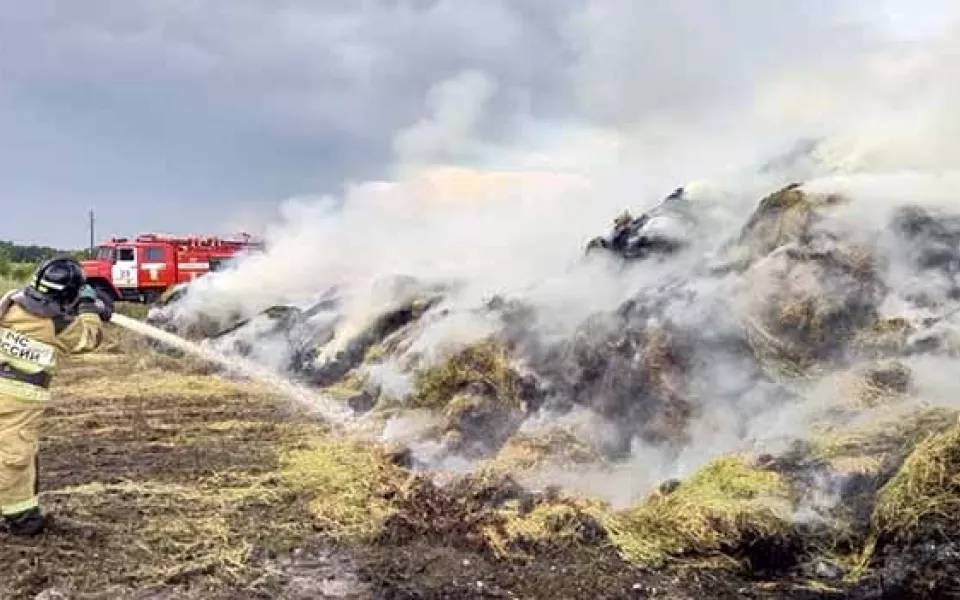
point(329, 409)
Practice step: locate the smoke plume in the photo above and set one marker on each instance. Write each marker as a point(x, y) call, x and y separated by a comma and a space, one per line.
point(733, 103)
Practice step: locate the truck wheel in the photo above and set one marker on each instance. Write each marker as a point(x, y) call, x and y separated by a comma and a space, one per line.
point(104, 290)
point(151, 296)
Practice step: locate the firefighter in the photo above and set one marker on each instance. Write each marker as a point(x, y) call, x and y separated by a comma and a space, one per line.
point(56, 314)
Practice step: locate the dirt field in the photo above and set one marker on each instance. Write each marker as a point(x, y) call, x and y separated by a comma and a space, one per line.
point(166, 482)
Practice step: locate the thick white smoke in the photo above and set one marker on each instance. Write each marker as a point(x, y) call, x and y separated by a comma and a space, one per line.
point(697, 93)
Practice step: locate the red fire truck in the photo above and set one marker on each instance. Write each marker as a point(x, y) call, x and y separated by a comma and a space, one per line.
point(142, 268)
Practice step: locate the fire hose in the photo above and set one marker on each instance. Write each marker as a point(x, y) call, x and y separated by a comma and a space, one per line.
point(236, 364)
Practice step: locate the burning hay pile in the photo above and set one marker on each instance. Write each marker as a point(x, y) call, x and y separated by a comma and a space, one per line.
point(799, 338)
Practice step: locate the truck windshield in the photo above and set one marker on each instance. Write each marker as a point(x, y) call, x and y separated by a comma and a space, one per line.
point(104, 253)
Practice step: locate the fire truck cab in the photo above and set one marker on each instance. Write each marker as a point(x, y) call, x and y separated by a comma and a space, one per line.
point(143, 268)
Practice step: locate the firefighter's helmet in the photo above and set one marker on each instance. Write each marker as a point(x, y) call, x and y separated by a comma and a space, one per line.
point(59, 279)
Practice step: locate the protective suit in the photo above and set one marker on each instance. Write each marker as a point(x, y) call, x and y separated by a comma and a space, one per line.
point(57, 314)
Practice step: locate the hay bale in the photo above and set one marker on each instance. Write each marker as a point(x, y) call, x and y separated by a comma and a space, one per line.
point(480, 395)
point(808, 305)
point(812, 290)
point(922, 501)
point(859, 460)
point(872, 451)
point(485, 364)
point(728, 509)
point(782, 218)
point(914, 535)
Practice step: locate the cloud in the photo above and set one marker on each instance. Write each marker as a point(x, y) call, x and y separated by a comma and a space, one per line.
point(169, 106)
point(686, 60)
point(147, 111)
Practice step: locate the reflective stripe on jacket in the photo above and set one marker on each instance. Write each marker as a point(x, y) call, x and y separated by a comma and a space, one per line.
point(30, 345)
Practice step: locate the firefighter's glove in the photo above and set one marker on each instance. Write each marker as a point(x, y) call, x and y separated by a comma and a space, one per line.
point(88, 292)
point(92, 302)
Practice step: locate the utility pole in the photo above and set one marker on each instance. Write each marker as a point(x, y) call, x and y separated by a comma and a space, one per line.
point(92, 237)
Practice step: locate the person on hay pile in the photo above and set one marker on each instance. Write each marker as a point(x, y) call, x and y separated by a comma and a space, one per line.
point(57, 314)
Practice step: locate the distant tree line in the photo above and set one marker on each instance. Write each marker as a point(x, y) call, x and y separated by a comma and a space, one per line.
point(27, 254)
point(17, 261)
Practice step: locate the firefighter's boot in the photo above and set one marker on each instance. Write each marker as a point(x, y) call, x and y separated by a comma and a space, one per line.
point(28, 523)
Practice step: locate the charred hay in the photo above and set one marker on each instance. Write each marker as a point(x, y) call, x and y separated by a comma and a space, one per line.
point(492, 515)
point(625, 370)
point(914, 539)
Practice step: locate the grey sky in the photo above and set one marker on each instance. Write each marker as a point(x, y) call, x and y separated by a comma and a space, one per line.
point(177, 116)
